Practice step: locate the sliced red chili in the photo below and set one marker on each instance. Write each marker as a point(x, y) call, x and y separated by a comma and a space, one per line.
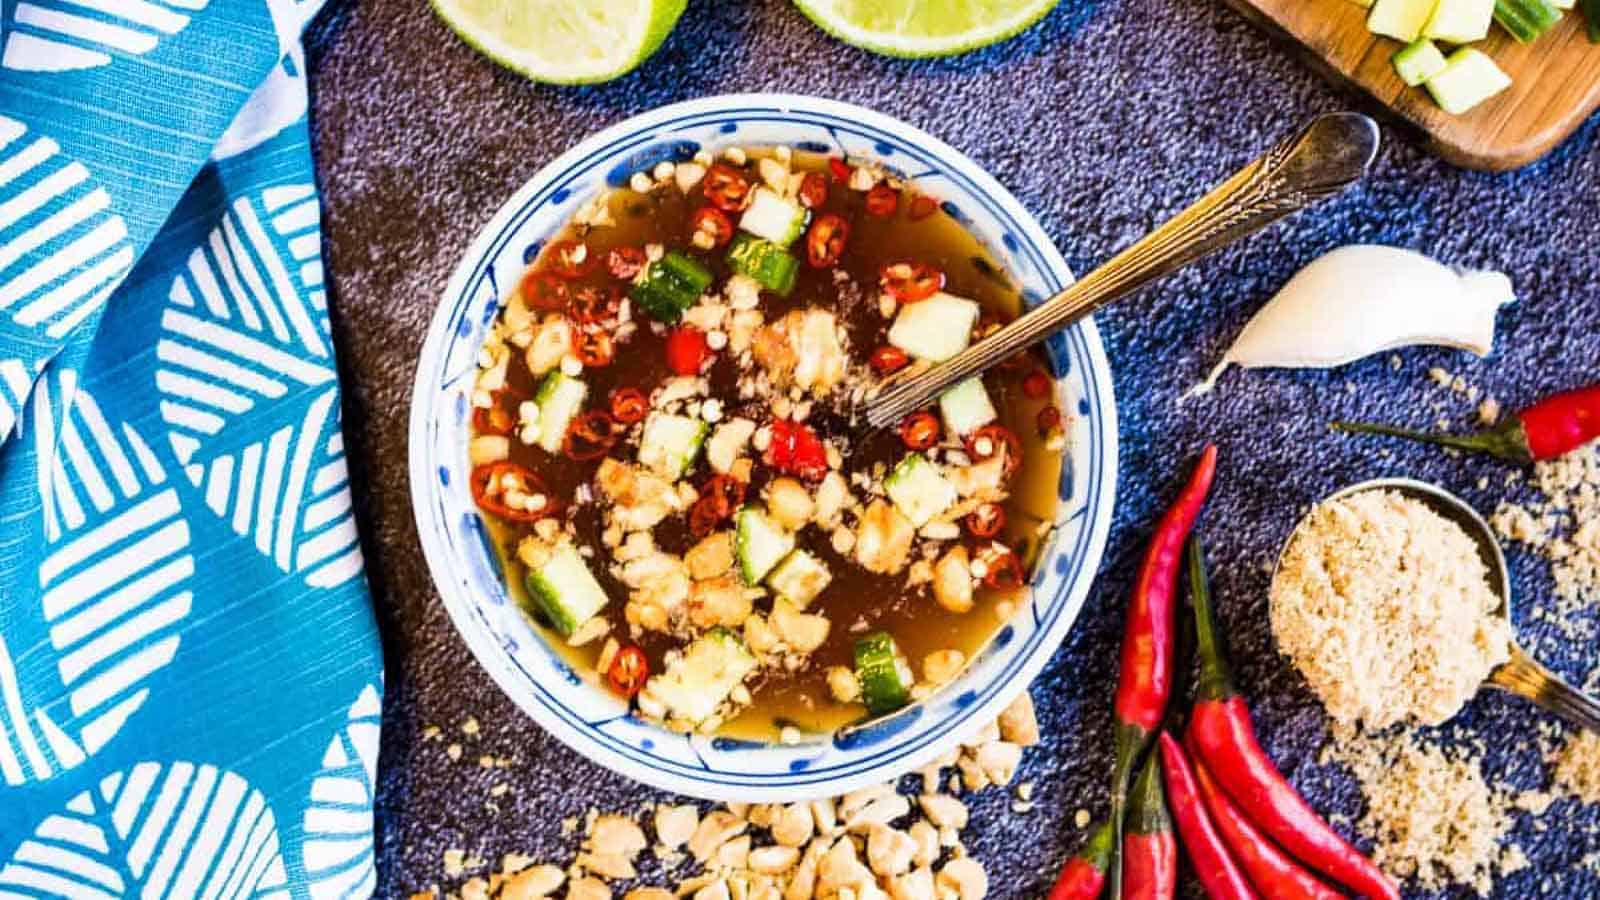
point(882, 201)
point(629, 671)
point(492, 482)
point(987, 520)
point(991, 439)
point(544, 291)
point(725, 187)
point(909, 282)
point(888, 359)
point(500, 417)
point(571, 259)
point(1048, 420)
point(714, 222)
point(629, 405)
point(626, 263)
point(590, 436)
point(592, 345)
point(687, 350)
point(796, 449)
point(920, 430)
point(704, 517)
point(825, 241)
point(1037, 385)
point(923, 206)
point(813, 190)
point(590, 304)
point(839, 168)
point(1003, 572)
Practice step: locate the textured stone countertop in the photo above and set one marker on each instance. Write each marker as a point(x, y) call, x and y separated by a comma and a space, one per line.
point(1104, 119)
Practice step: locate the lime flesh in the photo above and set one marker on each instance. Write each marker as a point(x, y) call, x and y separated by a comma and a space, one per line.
point(923, 27)
point(563, 41)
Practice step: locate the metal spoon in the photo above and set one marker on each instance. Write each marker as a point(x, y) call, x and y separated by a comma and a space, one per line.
point(1323, 158)
point(1521, 674)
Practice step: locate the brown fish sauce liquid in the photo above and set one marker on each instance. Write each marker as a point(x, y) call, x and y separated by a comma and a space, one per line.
point(856, 601)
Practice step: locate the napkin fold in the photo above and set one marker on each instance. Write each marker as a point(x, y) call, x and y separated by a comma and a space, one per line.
point(190, 673)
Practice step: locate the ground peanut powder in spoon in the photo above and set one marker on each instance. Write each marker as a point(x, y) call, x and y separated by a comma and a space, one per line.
point(1385, 607)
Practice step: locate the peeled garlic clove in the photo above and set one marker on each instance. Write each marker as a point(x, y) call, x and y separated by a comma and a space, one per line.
point(1364, 299)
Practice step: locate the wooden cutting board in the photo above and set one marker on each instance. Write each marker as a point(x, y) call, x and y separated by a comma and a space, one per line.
point(1555, 80)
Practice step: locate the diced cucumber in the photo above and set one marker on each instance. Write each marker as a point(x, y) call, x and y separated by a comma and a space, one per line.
point(759, 543)
point(671, 285)
point(799, 578)
point(670, 443)
point(1418, 61)
point(1526, 20)
point(966, 407)
point(774, 218)
point(696, 683)
point(559, 398)
point(770, 265)
point(885, 678)
point(565, 590)
point(934, 329)
point(1400, 19)
point(919, 490)
point(1459, 21)
point(1468, 78)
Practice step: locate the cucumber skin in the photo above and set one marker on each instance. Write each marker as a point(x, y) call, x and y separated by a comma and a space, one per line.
point(672, 284)
point(1591, 12)
point(770, 265)
point(1418, 53)
point(881, 688)
point(1526, 20)
point(743, 532)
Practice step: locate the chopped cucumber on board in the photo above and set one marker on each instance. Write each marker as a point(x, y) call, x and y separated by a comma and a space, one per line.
point(966, 407)
point(1526, 20)
point(770, 265)
point(559, 398)
point(1460, 21)
point(565, 590)
point(669, 444)
point(885, 678)
point(799, 578)
point(696, 684)
point(919, 490)
point(759, 543)
point(671, 285)
point(934, 329)
point(1402, 20)
point(1418, 61)
point(774, 218)
point(1468, 78)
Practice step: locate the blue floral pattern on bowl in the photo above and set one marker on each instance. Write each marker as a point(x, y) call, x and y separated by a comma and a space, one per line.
point(571, 706)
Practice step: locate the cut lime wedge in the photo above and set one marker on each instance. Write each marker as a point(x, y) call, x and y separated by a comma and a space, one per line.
point(923, 27)
point(563, 41)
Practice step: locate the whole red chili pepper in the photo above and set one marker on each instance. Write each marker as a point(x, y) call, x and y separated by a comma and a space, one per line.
point(1145, 679)
point(1085, 874)
point(1225, 742)
point(1275, 875)
point(1149, 850)
point(1552, 427)
point(1219, 874)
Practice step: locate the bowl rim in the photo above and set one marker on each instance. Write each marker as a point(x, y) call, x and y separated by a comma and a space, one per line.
point(1071, 593)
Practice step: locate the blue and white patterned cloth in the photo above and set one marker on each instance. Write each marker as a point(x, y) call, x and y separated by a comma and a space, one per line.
point(190, 674)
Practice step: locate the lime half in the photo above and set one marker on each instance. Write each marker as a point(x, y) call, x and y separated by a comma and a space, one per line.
point(923, 27)
point(563, 41)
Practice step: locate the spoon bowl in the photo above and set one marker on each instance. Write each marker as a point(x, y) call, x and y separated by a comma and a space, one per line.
point(1521, 674)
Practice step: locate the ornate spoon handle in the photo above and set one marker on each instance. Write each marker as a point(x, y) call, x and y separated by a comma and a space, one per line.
point(1525, 677)
point(1327, 155)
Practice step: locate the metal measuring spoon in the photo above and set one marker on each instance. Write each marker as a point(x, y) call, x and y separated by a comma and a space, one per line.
point(1521, 674)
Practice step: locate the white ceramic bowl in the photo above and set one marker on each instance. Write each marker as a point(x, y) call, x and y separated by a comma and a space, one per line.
point(593, 721)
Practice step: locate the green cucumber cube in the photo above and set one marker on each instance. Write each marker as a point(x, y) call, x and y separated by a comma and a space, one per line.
point(966, 407)
point(565, 590)
point(696, 683)
point(919, 490)
point(559, 398)
point(799, 578)
point(1468, 78)
point(1400, 19)
point(759, 544)
point(1418, 61)
point(934, 329)
point(669, 444)
point(1459, 22)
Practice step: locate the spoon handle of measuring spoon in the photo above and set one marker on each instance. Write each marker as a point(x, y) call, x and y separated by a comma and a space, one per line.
point(1323, 158)
point(1524, 676)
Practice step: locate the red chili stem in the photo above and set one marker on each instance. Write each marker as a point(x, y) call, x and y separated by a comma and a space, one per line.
point(1145, 679)
point(1225, 742)
point(1272, 872)
point(1149, 850)
point(1554, 426)
point(1084, 875)
point(1219, 874)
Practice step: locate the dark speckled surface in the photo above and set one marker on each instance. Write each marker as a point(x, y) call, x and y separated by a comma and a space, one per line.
point(1104, 119)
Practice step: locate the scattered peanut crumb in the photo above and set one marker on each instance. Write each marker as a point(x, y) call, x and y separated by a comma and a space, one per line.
point(1578, 767)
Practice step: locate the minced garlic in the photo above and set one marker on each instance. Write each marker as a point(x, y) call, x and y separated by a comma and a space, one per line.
point(1386, 609)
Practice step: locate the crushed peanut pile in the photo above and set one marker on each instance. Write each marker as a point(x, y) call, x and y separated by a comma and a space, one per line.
point(1385, 607)
point(1430, 813)
point(871, 844)
point(1578, 767)
point(1562, 524)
